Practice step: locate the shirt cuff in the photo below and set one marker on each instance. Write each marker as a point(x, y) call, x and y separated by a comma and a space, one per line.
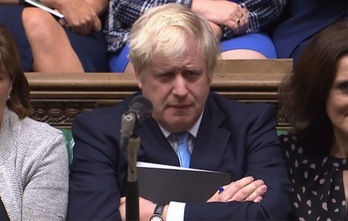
point(175, 211)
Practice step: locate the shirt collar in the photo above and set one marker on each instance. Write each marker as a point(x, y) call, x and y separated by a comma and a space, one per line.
point(193, 130)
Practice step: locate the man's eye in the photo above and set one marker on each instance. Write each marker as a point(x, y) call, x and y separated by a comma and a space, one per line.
point(166, 76)
point(192, 74)
point(163, 75)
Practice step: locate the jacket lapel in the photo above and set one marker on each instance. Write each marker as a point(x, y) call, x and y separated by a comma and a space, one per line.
point(209, 146)
point(154, 145)
point(211, 140)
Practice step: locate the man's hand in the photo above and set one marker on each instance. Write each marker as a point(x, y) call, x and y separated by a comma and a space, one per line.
point(146, 208)
point(245, 189)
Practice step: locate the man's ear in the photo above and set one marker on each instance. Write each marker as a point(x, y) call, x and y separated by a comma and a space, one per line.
point(211, 77)
point(138, 77)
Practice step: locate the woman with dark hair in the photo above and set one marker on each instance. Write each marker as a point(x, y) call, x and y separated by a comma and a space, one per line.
point(33, 156)
point(314, 99)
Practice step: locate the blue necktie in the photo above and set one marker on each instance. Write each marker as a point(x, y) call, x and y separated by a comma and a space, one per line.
point(183, 149)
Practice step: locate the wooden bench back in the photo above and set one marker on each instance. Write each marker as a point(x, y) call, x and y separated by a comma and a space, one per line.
point(58, 97)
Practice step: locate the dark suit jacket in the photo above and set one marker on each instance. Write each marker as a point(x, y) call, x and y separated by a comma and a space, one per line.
point(304, 19)
point(233, 137)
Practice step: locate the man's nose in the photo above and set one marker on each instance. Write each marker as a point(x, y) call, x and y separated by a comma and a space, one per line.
point(180, 85)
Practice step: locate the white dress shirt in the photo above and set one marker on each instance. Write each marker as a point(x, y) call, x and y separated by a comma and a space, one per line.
point(176, 209)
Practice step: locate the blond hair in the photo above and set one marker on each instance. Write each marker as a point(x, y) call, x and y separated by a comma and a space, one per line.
point(163, 32)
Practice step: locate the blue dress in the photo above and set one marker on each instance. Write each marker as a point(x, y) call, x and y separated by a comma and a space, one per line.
point(90, 49)
point(260, 42)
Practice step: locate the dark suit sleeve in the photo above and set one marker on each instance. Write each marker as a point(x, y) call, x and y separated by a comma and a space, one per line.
point(94, 189)
point(256, 131)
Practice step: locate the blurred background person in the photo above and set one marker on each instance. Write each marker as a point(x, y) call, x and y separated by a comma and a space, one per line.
point(49, 44)
point(34, 160)
point(240, 25)
point(301, 20)
point(314, 99)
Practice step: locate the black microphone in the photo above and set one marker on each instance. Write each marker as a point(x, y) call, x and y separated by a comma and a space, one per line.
point(140, 108)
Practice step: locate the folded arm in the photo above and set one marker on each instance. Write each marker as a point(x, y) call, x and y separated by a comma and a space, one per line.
point(245, 189)
point(264, 162)
point(264, 192)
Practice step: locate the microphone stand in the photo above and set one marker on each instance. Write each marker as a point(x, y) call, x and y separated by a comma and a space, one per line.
point(132, 195)
point(130, 142)
point(140, 108)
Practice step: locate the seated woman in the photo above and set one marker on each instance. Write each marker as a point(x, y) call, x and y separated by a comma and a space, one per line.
point(49, 44)
point(314, 99)
point(239, 24)
point(302, 19)
point(34, 159)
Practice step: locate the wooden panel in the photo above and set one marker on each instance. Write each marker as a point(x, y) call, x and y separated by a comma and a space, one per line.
point(58, 97)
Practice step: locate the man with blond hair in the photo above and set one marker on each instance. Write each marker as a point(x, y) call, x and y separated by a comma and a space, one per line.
point(174, 53)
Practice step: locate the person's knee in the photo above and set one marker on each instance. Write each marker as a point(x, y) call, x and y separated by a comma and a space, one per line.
point(242, 54)
point(38, 24)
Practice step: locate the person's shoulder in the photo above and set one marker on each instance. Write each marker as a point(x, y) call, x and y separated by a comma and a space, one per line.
point(30, 129)
point(41, 129)
point(36, 137)
point(288, 139)
point(104, 113)
point(231, 106)
point(100, 112)
point(240, 116)
point(222, 99)
point(104, 118)
point(290, 144)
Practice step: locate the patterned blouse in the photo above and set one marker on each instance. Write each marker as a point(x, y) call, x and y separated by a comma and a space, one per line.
point(317, 183)
point(123, 13)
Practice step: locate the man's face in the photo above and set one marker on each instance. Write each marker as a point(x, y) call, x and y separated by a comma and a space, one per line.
point(178, 90)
